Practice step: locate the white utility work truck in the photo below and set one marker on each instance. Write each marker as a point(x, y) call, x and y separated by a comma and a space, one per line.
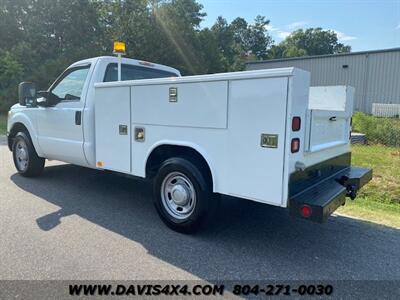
point(260, 135)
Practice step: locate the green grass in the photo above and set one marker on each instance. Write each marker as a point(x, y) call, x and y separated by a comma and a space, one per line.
point(384, 131)
point(3, 124)
point(379, 200)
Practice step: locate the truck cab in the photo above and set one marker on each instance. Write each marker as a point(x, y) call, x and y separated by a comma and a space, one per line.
point(64, 130)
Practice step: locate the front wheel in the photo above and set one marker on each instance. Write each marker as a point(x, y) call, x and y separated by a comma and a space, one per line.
point(26, 160)
point(183, 195)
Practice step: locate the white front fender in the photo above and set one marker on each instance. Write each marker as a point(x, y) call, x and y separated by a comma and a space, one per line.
point(20, 117)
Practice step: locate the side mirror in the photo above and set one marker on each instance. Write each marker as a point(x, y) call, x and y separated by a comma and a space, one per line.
point(26, 92)
point(47, 99)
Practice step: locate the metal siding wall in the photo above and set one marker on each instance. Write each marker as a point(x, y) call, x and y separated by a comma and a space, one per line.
point(383, 82)
point(375, 76)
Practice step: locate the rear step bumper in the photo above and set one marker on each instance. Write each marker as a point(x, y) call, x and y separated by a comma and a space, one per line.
point(318, 201)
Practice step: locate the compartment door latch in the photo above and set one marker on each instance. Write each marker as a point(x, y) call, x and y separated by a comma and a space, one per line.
point(123, 130)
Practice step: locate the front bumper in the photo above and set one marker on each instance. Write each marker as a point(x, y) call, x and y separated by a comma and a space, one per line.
point(324, 187)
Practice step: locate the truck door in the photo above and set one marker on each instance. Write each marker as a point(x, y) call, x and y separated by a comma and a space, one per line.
point(60, 132)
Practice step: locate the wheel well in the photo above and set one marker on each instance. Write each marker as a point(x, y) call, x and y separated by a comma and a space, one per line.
point(163, 152)
point(17, 127)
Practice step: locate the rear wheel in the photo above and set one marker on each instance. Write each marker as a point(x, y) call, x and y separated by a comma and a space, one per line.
point(26, 160)
point(183, 195)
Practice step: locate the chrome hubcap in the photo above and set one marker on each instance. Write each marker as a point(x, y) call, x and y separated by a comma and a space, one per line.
point(21, 155)
point(178, 195)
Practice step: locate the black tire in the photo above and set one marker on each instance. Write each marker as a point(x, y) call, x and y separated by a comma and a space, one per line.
point(34, 165)
point(204, 205)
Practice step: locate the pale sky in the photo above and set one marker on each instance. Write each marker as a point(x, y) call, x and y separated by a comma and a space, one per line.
point(363, 24)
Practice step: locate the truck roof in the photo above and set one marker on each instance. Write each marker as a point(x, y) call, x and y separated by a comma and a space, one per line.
point(129, 61)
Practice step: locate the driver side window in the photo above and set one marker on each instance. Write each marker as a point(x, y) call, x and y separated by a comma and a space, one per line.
point(70, 86)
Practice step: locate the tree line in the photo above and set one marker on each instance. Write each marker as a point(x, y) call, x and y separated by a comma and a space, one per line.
point(40, 38)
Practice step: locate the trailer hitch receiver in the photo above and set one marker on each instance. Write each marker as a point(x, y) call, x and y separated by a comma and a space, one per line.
point(351, 191)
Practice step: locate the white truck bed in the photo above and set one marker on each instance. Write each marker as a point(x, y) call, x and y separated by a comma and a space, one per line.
point(224, 117)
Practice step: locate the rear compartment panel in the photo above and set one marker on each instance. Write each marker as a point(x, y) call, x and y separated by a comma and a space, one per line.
point(329, 117)
point(256, 107)
point(327, 129)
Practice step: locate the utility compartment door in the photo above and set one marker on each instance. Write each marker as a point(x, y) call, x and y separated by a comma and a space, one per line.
point(329, 115)
point(113, 132)
point(328, 129)
point(198, 104)
point(257, 107)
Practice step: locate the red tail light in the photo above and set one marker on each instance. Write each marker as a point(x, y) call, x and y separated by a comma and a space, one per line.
point(296, 123)
point(305, 211)
point(295, 146)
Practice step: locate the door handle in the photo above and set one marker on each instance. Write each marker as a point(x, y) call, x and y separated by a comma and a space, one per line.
point(332, 119)
point(78, 117)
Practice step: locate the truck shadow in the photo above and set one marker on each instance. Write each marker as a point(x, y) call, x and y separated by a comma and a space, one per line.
point(247, 240)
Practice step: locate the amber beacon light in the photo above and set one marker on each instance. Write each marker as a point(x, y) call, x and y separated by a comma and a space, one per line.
point(119, 48)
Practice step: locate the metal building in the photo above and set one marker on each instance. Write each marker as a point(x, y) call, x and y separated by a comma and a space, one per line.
point(375, 75)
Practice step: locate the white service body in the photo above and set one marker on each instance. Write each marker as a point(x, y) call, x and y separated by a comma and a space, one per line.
point(220, 116)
